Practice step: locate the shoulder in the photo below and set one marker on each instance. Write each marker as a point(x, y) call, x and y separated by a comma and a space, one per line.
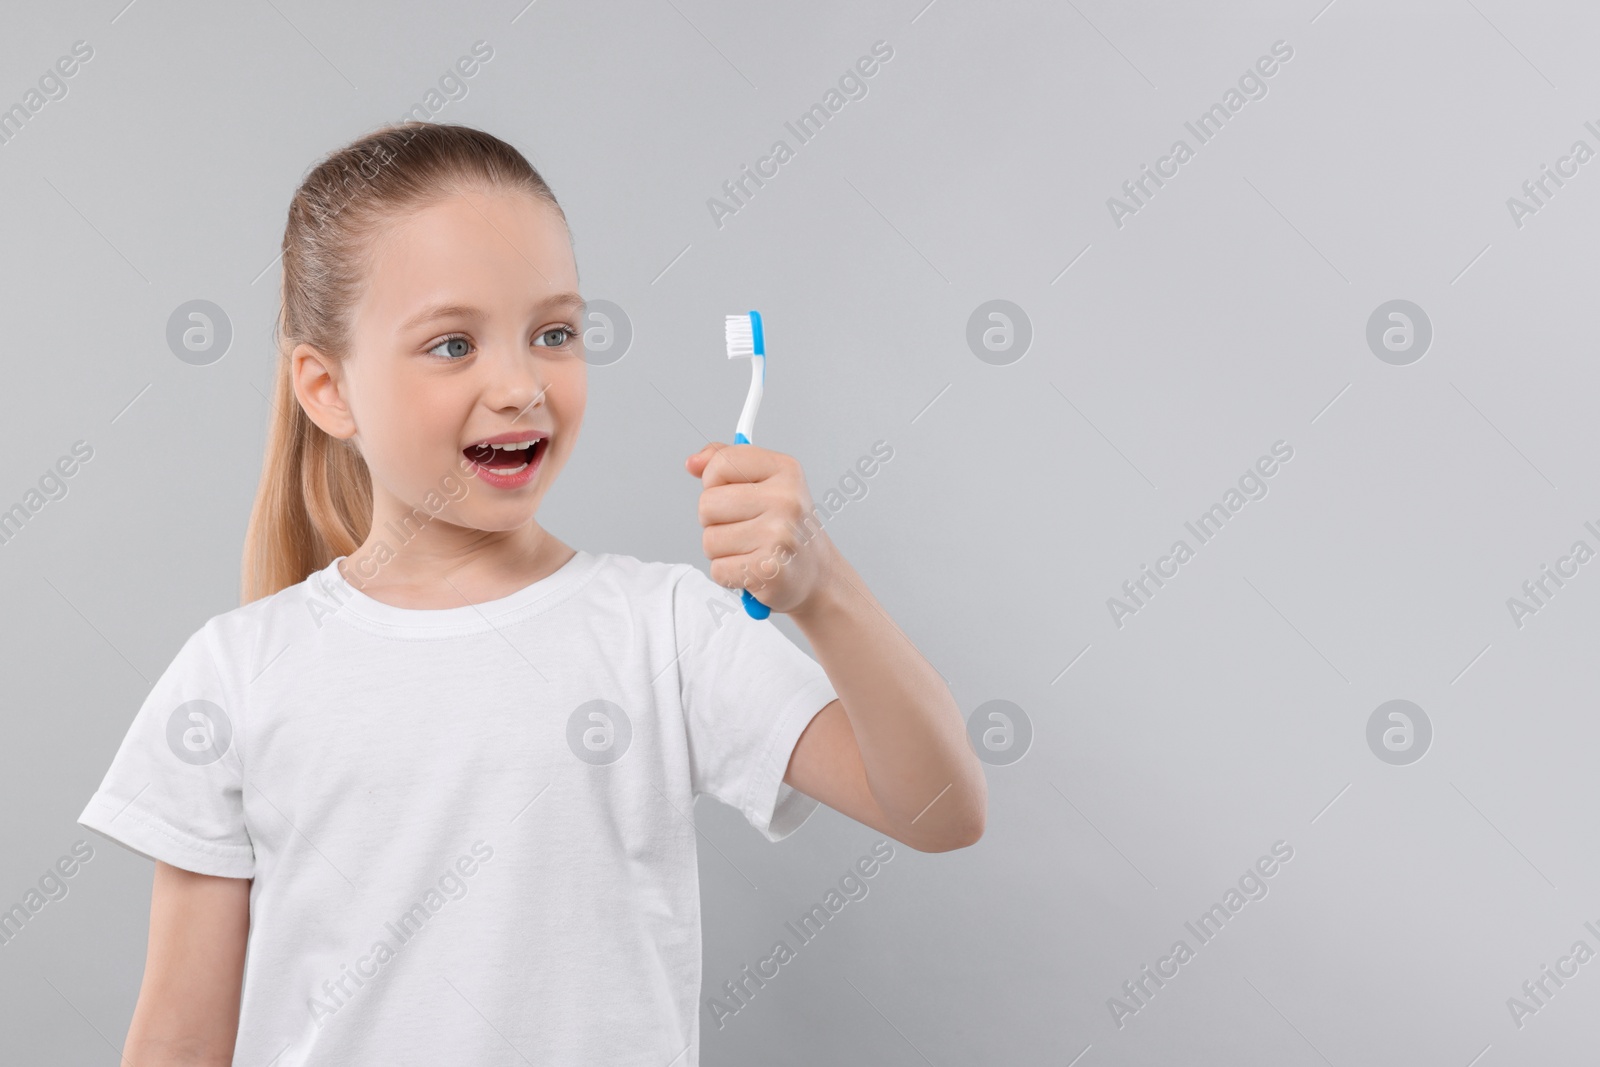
point(663, 582)
point(241, 640)
point(637, 575)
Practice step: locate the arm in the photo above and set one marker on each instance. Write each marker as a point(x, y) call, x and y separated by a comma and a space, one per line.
point(892, 751)
point(188, 1010)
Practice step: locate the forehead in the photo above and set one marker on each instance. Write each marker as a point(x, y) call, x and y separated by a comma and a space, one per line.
point(477, 247)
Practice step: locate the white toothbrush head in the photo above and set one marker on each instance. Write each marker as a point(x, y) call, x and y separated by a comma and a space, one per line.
point(743, 334)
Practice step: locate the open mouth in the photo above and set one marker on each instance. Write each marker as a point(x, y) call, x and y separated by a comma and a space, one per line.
point(507, 458)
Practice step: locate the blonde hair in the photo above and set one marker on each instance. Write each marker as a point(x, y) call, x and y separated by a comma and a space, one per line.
point(314, 502)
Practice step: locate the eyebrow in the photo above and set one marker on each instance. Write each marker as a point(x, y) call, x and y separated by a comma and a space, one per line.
point(567, 300)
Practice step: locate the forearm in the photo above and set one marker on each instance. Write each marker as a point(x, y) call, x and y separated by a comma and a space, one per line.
point(919, 765)
point(142, 1052)
point(166, 1031)
point(187, 1014)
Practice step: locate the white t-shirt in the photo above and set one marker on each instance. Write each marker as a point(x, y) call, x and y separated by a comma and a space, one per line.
point(469, 829)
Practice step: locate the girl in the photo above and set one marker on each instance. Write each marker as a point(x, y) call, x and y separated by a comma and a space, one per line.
point(426, 796)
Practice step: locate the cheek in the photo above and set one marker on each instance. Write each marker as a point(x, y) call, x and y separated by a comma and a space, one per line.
point(570, 393)
point(414, 419)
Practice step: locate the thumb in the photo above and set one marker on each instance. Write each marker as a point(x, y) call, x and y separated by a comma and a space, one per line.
point(696, 463)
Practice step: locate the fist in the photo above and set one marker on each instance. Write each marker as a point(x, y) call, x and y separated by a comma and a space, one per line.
point(759, 530)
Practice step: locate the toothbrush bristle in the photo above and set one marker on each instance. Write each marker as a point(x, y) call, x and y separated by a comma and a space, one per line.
point(741, 336)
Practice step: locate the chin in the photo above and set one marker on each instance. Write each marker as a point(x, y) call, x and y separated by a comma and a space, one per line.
point(500, 520)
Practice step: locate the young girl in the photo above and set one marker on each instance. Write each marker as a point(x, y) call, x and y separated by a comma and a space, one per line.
point(427, 796)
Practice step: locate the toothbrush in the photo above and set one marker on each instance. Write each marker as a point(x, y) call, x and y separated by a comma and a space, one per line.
point(744, 339)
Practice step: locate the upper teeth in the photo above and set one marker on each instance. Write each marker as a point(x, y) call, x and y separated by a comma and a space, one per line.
point(516, 445)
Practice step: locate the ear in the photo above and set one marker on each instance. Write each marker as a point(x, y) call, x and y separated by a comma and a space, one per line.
point(317, 387)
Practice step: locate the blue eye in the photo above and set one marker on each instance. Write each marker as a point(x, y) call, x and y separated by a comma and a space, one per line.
point(458, 347)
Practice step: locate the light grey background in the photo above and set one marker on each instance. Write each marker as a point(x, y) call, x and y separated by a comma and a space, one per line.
point(1167, 355)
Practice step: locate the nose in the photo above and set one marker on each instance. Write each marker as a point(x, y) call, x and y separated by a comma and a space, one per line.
point(514, 383)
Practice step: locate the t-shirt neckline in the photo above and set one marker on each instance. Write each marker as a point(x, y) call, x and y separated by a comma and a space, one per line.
point(540, 595)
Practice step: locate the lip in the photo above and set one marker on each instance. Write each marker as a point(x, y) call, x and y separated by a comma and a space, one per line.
point(489, 476)
point(511, 438)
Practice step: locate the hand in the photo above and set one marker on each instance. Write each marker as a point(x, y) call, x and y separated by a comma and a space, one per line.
point(760, 533)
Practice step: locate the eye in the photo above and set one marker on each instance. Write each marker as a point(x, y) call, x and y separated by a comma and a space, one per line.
point(456, 346)
point(566, 334)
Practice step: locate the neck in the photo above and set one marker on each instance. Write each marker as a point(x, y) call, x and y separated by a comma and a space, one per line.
point(416, 559)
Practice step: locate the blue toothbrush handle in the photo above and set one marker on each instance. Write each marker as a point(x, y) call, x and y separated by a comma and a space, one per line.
point(752, 607)
point(755, 608)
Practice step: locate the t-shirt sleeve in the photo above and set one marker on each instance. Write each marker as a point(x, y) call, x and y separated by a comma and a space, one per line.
point(747, 693)
point(174, 791)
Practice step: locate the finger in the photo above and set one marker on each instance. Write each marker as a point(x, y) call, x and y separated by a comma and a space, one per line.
point(696, 462)
point(739, 463)
point(741, 571)
point(724, 539)
point(734, 502)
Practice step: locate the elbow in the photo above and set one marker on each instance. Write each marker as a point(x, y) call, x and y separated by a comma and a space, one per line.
point(973, 831)
point(978, 825)
point(965, 834)
point(961, 829)
point(951, 842)
point(977, 813)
